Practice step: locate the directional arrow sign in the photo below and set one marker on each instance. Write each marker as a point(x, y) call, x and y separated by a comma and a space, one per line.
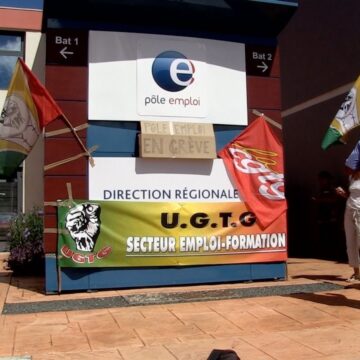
point(66, 47)
point(259, 60)
point(63, 52)
point(263, 66)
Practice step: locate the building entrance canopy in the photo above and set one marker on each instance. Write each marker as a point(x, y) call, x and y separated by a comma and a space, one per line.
point(260, 18)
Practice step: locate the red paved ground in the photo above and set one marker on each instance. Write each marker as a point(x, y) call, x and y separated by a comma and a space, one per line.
point(321, 326)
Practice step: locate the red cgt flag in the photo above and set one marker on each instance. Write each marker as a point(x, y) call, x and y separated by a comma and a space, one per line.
point(254, 161)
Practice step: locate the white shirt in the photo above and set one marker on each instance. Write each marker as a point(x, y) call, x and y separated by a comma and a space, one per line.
point(353, 200)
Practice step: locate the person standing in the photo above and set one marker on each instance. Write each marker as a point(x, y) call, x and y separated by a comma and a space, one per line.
point(352, 212)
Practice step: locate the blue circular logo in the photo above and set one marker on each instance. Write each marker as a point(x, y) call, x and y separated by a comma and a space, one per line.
point(172, 71)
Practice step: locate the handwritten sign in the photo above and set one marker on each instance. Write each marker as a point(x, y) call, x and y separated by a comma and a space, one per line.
point(164, 139)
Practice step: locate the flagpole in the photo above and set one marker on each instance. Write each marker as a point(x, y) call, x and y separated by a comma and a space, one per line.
point(317, 100)
point(269, 120)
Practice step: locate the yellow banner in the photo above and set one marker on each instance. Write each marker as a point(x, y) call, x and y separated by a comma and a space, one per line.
point(136, 234)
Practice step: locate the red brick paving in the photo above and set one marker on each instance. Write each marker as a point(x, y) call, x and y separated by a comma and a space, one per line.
point(319, 326)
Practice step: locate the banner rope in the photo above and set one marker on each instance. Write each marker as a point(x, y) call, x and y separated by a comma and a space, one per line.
point(69, 191)
point(91, 159)
point(72, 158)
point(55, 231)
point(50, 203)
point(66, 130)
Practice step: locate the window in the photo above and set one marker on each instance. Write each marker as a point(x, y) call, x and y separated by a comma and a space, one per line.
point(11, 47)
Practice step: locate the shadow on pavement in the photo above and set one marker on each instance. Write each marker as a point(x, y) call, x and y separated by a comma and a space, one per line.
point(320, 277)
point(329, 299)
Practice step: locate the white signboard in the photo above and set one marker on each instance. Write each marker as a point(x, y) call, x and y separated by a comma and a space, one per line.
point(164, 180)
point(168, 82)
point(143, 77)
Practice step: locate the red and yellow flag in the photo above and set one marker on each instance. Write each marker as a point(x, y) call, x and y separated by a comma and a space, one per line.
point(254, 161)
point(28, 108)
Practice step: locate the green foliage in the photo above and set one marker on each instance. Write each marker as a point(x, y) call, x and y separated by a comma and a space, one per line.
point(26, 241)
